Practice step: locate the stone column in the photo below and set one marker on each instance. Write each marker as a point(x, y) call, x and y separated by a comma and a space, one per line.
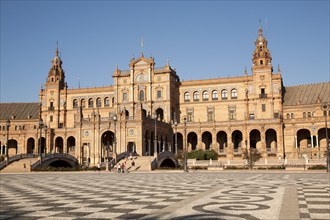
point(312, 140)
point(296, 141)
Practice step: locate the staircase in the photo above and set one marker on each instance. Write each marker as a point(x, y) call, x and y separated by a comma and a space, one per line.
point(18, 166)
point(142, 163)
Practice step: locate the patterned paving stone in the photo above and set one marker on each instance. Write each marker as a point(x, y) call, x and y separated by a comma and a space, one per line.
point(198, 195)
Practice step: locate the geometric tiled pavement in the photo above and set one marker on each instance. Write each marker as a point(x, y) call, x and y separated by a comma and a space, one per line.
point(194, 195)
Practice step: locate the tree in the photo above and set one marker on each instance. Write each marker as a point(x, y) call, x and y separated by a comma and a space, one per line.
point(251, 156)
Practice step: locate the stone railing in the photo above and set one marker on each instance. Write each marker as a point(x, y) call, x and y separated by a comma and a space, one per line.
point(11, 159)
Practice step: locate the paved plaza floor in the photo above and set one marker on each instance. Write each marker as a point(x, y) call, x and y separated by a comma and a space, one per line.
point(165, 195)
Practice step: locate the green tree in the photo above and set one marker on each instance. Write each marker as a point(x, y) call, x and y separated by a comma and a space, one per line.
point(251, 156)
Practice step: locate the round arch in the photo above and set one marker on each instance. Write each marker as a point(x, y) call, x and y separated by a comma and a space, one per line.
point(71, 144)
point(59, 145)
point(255, 139)
point(160, 113)
point(222, 141)
point(237, 138)
point(322, 137)
point(12, 147)
point(207, 140)
point(192, 141)
point(304, 138)
point(107, 139)
point(271, 139)
point(30, 146)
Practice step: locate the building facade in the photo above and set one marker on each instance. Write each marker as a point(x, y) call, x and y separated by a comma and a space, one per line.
point(145, 109)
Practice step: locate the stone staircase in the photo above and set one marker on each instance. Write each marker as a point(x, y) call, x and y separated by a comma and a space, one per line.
point(142, 163)
point(18, 166)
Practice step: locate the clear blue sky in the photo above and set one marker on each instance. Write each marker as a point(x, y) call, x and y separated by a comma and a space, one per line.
point(202, 39)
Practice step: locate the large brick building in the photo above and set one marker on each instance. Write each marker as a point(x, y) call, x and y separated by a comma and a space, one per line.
point(224, 114)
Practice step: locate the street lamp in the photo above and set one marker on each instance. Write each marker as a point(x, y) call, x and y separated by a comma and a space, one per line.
point(41, 125)
point(114, 137)
point(325, 113)
point(7, 129)
point(185, 145)
point(176, 137)
point(46, 129)
point(155, 140)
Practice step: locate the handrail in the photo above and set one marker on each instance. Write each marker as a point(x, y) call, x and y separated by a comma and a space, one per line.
point(16, 157)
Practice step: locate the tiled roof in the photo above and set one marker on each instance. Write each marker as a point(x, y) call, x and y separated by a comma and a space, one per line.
point(19, 111)
point(307, 94)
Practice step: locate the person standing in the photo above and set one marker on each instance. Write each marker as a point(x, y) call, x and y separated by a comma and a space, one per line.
point(99, 167)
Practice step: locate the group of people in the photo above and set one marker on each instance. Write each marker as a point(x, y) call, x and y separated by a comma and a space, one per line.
point(122, 168)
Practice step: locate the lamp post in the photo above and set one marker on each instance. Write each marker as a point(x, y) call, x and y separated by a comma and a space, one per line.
point(325, 113)
point(185, 145)
point(46, 129)
point(7, 129)
point(176, 137)
point(41, 125)
point(114, 138)
point(155, 140)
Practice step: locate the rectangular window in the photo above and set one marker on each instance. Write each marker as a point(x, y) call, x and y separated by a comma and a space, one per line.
point(190, 115)
point(51, 118)
point(232, 112)
point(251, 116)
point(263, 107)
point(124, 96)
point(210, 115)
point(159, 94)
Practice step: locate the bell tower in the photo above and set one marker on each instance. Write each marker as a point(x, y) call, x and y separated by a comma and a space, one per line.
point(261, 57)
point(53, 95)
point(56, 73)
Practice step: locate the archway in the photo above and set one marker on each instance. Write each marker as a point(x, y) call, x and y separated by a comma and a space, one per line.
point(147, 144)
point(192, 141)
point(271, 140)
point(237, 138)
point(160, 114)
point(179, 142)
point(59, 145)
point(30, 146)
point(71, 143)
point(12, 147)
point(222, 141)
point(167, 163)
point(207, 140)
point(304, 138)
point(322, 137)
point(107, 139)
point(42, 144)
point(255, 139)
point(144, 113)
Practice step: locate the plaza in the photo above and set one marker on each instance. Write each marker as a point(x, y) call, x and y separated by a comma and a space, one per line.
point(165, 195)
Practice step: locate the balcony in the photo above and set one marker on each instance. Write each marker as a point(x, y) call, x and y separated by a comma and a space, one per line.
point(51, 108)
point(263, 96)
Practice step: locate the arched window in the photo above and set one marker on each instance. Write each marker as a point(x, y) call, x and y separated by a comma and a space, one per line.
point(214, 95)
point(288, 116)
point(205, 95)
point(83, 103)
point(313, 114)
point(113, 101)
point(106, 102)
point(224, 94)
point(75, 103)
point(98, 102)
point(234, 93)
point(141, 96)
point(90, 103)
point(309, 114)
point(292, 116)
point(186, 96)
point(304, 114)
point(196, 96)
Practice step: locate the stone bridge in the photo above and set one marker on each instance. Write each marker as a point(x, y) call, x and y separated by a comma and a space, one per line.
point(56, 160)
point(167, 159)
